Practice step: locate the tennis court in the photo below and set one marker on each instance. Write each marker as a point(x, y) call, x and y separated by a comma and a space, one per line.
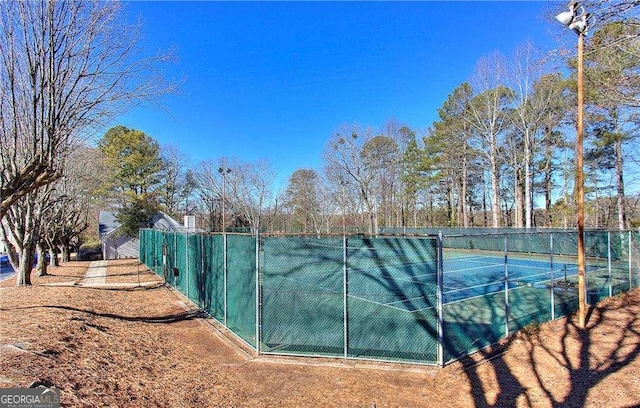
point(467, 276)
point(419, 299)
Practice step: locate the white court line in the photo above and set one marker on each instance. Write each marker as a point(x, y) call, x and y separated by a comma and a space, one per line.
point(474, 268)
point(386, 304)
point(477, 258)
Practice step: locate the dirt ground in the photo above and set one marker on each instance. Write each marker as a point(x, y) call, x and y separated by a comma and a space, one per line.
point(146, 346)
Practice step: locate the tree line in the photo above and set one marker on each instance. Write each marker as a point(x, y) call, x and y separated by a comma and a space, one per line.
point(500, 153)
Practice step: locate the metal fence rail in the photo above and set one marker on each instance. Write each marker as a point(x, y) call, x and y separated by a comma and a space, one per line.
point(427, 299)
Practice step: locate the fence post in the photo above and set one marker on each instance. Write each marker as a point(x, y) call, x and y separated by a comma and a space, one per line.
point(552, 296)
point(630, 263)
point(187, 263)
point(202, 272)
point(609, 277)
point(345, 291)
point(440, 298)
point(224, 275)
point(506, 288)
point(258, 291)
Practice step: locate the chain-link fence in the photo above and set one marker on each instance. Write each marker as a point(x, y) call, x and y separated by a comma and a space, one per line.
point(427, 299)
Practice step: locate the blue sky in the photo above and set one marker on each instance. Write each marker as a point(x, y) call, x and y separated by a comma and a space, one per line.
point(274, 80)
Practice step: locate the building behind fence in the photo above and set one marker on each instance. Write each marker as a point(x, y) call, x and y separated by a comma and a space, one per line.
point(427, 299)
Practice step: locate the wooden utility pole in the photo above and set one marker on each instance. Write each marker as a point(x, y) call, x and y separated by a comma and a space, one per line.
point(582, 289)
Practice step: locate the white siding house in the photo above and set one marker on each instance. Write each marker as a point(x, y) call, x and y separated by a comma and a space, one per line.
point(115, 245)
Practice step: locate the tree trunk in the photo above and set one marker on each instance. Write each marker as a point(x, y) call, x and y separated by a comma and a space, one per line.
point(450, 215)
point(24, 266)
point(622, 217)
point(528, 205)
point(495, 192)
point(485, 221)
point(41, 266)
point(517, 196)
point(547, 181)
point(463, 195)
point(53, 257)
point(64, 252)
point(522, 201)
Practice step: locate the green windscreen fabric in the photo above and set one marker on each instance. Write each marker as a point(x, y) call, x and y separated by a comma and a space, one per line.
point(241, 286)
point(622, 265)
point(392, 299)
point(195, 269)
point(635, 259)
point(155, 250)
point(212, 281)
point(144, 247)
point(302, 295)
point(377, 297)
point(170, 242)
point(180, 268)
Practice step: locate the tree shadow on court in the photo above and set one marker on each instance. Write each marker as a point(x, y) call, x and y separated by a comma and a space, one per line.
point(402, 272)
point(578, 353)
point(462, 330)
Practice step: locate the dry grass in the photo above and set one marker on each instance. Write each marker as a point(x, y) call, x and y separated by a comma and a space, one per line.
point(141, 347)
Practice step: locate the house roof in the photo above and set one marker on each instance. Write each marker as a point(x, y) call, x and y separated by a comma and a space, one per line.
point(108, 224)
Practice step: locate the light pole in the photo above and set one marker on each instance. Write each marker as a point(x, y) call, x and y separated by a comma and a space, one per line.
point(577, 19)
point(224, 171)
point(343, 183)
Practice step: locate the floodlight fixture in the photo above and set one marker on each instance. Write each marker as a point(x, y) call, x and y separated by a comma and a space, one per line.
point(566, 17)
point(576, 18)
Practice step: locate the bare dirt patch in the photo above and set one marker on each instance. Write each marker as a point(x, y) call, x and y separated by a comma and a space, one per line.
point(141, 347)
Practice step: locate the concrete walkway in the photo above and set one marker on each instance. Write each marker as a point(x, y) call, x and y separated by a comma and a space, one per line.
point(96, 274)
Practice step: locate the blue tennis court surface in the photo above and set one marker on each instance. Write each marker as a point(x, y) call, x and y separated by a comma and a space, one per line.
point(412, 286)
point(476, 275)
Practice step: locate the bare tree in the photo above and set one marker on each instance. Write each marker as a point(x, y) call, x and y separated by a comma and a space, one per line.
point(625, 45)
point(381, 158)
point(20, 229)
point(535, 99)
point(487, 120)
point(249, 189)
point(76, 194)
point(345, 163)
point(66, 67)
point(209, 191)
point(231, 185)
